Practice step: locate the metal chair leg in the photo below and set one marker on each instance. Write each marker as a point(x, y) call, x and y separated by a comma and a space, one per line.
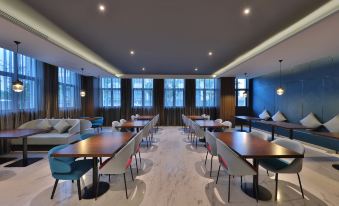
point(125, 186)
point(218, 174)
point(268, 174)
point(276, 186)
point(140, 159)
point(136, 162)
point(211, 166)
point(229, 187)
point(54, 188)
point(301, 187)
point(130, 168)
point(206, 157)
point(79, 189)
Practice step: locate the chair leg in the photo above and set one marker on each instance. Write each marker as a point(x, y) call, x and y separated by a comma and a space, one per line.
point(211, 166)
point(301, 187)
point(256, 191)
point(79, 189)
point(268, 174)
point(140, 159)
point(276, 186)
point(241, 181)
point(136, 163)
point(130, 168)
point(229, 187)
point(206, 157)
point(218, 174)
point(125, 186)
point(54, 188)
point(109, 178)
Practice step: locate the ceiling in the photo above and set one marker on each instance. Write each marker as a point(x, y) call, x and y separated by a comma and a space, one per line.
point(172, 37)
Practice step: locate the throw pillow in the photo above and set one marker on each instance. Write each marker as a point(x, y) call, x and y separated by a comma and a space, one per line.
point(310, 121)
point(264, 115)
point(44, 124)
point(333, 124)
point(62, 126)
point(279, 117)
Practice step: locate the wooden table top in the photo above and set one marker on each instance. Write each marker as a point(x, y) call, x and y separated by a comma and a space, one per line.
point(144, 117)
point(209, 124)
point(90, 118)
point(20, 133)
point(247, 145)
point(195, 117)
point(248, 118)
point(334, 135)
point(100, 145)
point(134, 124)
point(285, 125)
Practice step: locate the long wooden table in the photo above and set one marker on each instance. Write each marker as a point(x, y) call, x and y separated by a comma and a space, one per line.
point(138, 124)
point(249, 146)
point(144, 117)
point(209, 124)
point(23, 134)
point(285, 125)
point(195, 117)
point(248, 119)
point(100, 145)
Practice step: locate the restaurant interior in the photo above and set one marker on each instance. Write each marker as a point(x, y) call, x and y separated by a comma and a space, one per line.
point(154, 102)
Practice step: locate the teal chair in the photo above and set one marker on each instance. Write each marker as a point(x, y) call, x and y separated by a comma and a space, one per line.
point(67, 168)
point(98, 123)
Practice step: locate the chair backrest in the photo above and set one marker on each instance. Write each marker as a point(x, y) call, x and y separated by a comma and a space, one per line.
point(122, 121)
point(138, 138)
point(203, 115)
point(218, 120)
point(118, 164)
point(227, 123)
point(198, 131)
point(114, 126)
point(146, 130)
point(208, 117)
point(232, 162)
point(59, 164)
point(297, 163)
point(211, 142)
point(133, 117)
point(137, 115)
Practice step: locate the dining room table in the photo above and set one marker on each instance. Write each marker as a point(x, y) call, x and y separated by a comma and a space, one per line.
point(249, 146)
point(98, 146)
point(22, 134)
point(134, 124)
point(144, 117)
point(210, 124)
point(195, 117)
point(249, 120)
point(285, 125)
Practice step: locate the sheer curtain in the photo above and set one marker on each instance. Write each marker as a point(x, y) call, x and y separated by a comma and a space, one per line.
point(69, 100)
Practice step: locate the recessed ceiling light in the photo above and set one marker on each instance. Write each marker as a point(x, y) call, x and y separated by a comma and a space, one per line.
point(247, 11)
point(196, 69)
point(102, 7)
point(132, 52)
point(143, 69)
point(214, 76)
point(210, 53)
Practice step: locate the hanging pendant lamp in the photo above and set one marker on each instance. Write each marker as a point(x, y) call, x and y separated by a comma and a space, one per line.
point(17, 85)
point(82, 91)
point(280, 90)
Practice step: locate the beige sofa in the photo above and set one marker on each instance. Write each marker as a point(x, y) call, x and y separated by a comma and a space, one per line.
point(53, 137)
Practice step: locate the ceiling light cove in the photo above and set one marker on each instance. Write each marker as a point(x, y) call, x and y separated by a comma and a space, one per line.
point(101, 7)
point(247, 11)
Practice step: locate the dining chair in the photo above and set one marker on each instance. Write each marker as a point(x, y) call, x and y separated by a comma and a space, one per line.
point(218, 120)
point(119, 164)
point(233, 164)
point(198, 133)
point(211, 146)
point(122, 121)
point(115, 125)
point(278, 165)
point(67, 168)
point(138, 140)
point(133, 117)
point(228, 124)
point(98, 123)
point(137, 115)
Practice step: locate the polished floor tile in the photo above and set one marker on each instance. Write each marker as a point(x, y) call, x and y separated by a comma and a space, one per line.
point(173, 173)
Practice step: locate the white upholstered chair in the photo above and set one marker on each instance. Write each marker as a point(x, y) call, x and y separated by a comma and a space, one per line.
point(211, 146)
point(218, 120)
point(115, 125)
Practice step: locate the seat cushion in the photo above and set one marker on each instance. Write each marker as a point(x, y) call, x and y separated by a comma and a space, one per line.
point(79, 168)
point(273, 164)
point(48, 139)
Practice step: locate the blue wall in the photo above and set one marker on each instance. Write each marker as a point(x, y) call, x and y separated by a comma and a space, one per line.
point(311, 87)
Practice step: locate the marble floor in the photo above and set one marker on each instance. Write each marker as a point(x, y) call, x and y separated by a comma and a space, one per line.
point(173, 173)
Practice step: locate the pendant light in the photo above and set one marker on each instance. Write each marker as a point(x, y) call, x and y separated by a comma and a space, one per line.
point(82, 91)
point(17, 85)
point(280, 90)
point(244, 94)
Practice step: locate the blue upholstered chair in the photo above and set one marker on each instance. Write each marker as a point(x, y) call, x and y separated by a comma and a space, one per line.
point(98, 123)
point(66, 168)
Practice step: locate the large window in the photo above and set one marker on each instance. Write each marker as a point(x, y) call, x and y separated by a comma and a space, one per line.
point(205, 93)
point(67, 88)
point(241, 92)
point(110, 92)
point(174, 92)
point(142, 90)
point(27, 73)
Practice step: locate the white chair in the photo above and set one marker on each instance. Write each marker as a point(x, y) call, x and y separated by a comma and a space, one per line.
point(233, 164)
point(207, 117)
point(203, 115)
point(120, 163)
point(198, 133)
point(137, 115)
point(228, 125)
point(138, 140)
point(218, 120)
point(282, 166)
point(115, 125)
point(211, 146)
point(122, 121)
point(133, 117)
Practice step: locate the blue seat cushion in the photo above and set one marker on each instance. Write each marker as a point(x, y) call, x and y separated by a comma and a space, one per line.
point(79, 168)
point(273, 164)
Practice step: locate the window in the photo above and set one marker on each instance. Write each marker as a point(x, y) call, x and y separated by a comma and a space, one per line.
point(142, 91)
point(110, 92)
point(240, 88)
point(174, 92)
point(27, 73)
point(205, 93)
point(67, 88)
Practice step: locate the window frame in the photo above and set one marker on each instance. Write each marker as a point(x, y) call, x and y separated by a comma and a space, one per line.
point(238, 90)
point(142, 89)
point(204, 90)
point(111, 90)
point(64, 85)
point(174, 91)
